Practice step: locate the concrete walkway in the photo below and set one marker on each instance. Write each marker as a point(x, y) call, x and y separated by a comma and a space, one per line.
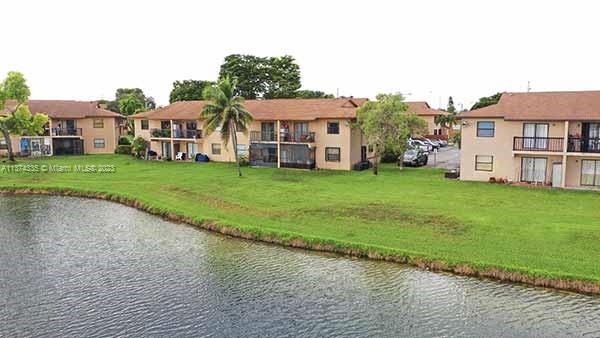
point(447, 158)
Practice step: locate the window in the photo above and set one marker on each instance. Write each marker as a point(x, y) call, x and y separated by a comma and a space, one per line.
point(333, 127)
point(191, 125)
point(165, 125)
point(242, 150)
point(99, 143)
point(332, 154)
point(590, 172)
point(484, 163)
point(485, 129)
point(216, 148)
point(533, 169)
point(3, 144)
point(144, 124)
point(535, 135)
point(98, 123)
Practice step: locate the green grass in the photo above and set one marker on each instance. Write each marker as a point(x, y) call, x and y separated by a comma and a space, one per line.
point(540, 232)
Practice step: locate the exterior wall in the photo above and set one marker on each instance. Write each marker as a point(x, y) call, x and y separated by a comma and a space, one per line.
point(348, 140)
point(324, 140)
point(500, 147)
point(108, 133)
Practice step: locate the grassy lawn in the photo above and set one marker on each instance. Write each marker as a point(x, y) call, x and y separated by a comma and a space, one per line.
point(416, 212)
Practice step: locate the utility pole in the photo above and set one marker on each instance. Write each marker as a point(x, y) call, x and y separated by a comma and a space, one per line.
point(528, 86)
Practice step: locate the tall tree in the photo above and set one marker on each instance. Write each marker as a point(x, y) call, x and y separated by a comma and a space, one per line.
point(451, 109)
point(188, 90)
point(283, 78)
point(148, 101)
point(312, 94)
point(262, 77)
point(17, 120)
point(131, 104)
point(487, 101)
point(226, 112)
point(387, 124)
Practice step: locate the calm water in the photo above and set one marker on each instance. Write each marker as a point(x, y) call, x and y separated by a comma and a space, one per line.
point(83, 268)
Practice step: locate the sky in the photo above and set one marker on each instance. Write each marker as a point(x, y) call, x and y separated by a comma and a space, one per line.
point(427, 50)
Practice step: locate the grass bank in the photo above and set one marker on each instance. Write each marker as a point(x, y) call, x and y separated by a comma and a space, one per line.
point(541, 237)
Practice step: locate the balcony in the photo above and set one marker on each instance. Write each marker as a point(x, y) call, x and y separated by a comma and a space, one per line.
point(160, 133)
point(187, 134)
point(584, 145)
point(542, 144)
point(262, 136)
point(298, 137)
point(66, 132)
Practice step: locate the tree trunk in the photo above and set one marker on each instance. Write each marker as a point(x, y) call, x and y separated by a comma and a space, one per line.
point(376, 160)
point(401, 160)
point(6, 134)
point(234, 140)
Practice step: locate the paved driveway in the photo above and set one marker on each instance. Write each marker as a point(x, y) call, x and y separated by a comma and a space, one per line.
point(447, 158)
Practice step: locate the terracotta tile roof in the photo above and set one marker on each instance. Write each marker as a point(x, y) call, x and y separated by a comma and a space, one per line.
point(422, 108)
point(63, 109)
point(555, 106)
point(279, 109)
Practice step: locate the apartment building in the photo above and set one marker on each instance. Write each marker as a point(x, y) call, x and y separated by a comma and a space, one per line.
point(424, 111)
point(546, 138)
point(285, 133)
point(74, 128)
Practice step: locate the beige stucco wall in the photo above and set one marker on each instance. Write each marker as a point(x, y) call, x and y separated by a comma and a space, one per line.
point(108, 133)
point(500, 147)
point(348, 140)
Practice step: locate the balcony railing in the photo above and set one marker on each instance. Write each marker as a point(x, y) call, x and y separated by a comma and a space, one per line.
point(262, 136)
point(298, 137)
point(189, 133)
point(551, 144)
point(584, 145)
point(66, 131)
point(164, 133)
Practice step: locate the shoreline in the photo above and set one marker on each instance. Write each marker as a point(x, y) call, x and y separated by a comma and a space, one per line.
point(322, 245)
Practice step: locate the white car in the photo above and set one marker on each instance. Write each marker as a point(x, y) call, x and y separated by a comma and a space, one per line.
point(420, 144)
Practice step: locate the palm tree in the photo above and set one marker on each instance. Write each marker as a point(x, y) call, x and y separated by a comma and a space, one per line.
point(225, 111)
point(446, 121)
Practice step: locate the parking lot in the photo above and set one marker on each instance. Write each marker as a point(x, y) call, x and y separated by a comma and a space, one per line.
point(447, 158)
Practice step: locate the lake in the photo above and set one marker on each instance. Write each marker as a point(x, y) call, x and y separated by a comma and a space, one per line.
point(72, 267)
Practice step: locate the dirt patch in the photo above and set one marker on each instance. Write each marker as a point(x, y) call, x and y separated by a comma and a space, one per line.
point(376, 213)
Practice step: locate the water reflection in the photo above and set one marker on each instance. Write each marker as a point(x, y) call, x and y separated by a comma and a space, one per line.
point(76, 267)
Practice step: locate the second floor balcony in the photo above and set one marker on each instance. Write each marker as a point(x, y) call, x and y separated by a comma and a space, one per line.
point(542, 144)
point(187, 134)
point(160, 133)
point(263, 136)
point(66, 132)
point(584, 145)
point(298, 137)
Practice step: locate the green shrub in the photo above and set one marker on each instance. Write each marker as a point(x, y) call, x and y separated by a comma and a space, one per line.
point(125, 141)
point(123, 149)
point(139, 146)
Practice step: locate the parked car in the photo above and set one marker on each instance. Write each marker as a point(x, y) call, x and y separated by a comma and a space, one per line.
point(415, 157)
point(443, 143)
point(435, 144)
point(414, 143)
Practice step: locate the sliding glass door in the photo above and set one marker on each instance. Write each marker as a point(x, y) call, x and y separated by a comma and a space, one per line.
point(590, 172)
point(533, 169)
point(535, 135)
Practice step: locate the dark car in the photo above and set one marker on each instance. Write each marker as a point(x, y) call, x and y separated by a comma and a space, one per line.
point(415, 157)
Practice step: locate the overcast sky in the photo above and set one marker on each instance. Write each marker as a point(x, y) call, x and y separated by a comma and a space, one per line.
point(428, 50)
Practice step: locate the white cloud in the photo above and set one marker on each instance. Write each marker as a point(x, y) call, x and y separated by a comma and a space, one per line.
point(431, 49)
